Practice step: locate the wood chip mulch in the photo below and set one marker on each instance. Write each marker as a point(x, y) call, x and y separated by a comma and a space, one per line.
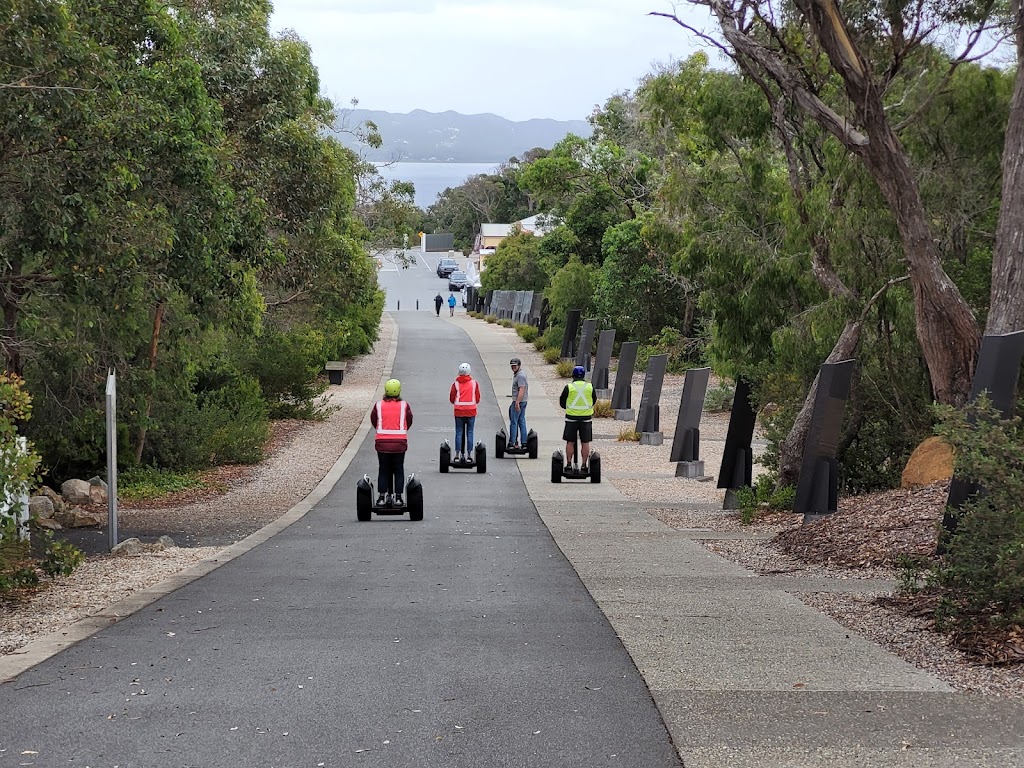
point(872, 530)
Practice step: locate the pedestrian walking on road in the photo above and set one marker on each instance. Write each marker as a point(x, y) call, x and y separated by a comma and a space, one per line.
point(517, 411)
point(578, 400)
point(391, 417)
point(451, 304)
point(438, 301)
point(464, 395)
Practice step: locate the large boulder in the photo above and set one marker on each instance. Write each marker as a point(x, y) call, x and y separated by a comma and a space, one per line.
point(76, 517)
point(40, 507)
point(930, 462)
point(76, 492)
point(128, 548)
point(58, 501)
point(98, 490)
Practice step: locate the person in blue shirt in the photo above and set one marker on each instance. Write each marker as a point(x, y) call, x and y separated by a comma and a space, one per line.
point(451, 304)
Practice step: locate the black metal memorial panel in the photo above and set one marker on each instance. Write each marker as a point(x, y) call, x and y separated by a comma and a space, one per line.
point(686, 440)
point(738, 459)
point(572, 326)
point(536, 309)
point(817, 490)
point(622, 395)
point(605, 342)
point(649, 418)
point(489, 303)
point(997, 373)
point(586, 342)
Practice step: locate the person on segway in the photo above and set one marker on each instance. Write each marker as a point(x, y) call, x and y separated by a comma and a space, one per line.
point(517, 433)
point(391, 417)
point(577, 399)
point(464, 395)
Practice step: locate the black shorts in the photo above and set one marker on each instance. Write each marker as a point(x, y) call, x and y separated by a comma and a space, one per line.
point(583, 428)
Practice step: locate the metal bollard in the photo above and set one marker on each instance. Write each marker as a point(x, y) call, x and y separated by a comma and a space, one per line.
point(399, 303)
point(417, 304)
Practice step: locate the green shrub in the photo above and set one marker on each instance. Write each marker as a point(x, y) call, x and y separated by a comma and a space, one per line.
point(287, 365)
point(764, 496)
point(564, 368)
point(981, 571)
point(491, 318)
point(682, 352)
point(505, 323)
point(527, 332)
point(628, 435)
point(235, 423)
point(61, 558)
point(719, 398)
point(539, 344)
point(603, 409)
point(144, 483)
point(552, 355)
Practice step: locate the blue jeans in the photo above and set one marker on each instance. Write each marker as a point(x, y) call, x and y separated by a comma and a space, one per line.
point(464, 425)
point(517, 424)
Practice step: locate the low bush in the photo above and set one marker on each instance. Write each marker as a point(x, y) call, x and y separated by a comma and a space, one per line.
point(682, 352)
point(491, 318)
point(527, 332)
point(145, 483)
point(764, 496)
point(505, 323)
point(719, 398)
point(564, 368)
point(539, 344)
point(552, 355)
point(603, 409)
point(981, 571)
point(628, 435)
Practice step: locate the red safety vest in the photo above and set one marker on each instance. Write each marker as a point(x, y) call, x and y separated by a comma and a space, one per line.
point(391, 419)
point(467, 395)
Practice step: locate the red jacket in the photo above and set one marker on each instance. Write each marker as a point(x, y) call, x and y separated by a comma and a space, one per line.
point(465, 394)
point(391, 417)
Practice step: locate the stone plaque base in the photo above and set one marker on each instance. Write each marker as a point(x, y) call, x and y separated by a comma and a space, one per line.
point(690, 469)
point(625, 414)
point(602, 394)
point(813, 517)
point(732, 500)
point(652, 438)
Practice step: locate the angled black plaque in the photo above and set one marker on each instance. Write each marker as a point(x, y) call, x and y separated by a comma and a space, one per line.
point(572, 326)
point(622, 395)
point(997, 373)
point(586, 342)
point(817, 490)
point(686, 441)
point(605, 342)
point(738, 459)
point(649, 417)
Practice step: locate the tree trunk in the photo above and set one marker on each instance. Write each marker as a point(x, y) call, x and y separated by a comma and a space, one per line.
point(158, 318)
point(791, 450)
point(1006, 306)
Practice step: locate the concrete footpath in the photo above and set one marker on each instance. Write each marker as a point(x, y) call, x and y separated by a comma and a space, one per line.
point(744, 674)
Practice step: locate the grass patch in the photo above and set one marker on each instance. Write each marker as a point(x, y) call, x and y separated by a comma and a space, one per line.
point(491, 318)
point(719, 398)
point(539, 344)
point(603, 409)
point(552, 355)
point(564, 368)
point(527, 332)
point(147, 483)
point(628, 435)
point(505, 323)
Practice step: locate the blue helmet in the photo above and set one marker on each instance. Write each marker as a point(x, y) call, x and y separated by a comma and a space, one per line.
point(579, 372)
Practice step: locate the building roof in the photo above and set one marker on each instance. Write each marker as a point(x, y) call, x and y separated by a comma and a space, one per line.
point(495, 230)
point(539, 224)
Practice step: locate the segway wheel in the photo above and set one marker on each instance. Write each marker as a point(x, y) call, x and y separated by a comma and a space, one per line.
point(364, 499)
point(480, 455)
point(414, 499)
point(531, 443)
point(446, 457)
point(595, 468)
point(500, 440)
point(557, 465)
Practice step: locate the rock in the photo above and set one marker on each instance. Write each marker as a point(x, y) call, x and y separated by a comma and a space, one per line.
point(165, 542)
point(58, 501)
point(128, 548)
point(49, 522)
point(76, 492)
point(930, 462)
point(40, 507)
point(98, 494)
point(76, 517)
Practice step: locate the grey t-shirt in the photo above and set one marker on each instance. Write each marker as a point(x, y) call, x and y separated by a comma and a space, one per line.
point(519, 382)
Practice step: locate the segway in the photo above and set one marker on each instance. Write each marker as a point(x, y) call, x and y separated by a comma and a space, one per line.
point(501, 445)
point(574, 471)
point(365, 507)
point(478, 459)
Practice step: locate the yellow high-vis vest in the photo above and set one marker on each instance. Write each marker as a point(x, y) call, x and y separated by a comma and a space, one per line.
point(581, 399)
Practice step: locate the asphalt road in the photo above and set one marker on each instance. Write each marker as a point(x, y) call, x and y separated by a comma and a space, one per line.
point(463, 640)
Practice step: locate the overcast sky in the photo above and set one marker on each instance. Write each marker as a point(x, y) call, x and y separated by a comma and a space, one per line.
point(516, 58)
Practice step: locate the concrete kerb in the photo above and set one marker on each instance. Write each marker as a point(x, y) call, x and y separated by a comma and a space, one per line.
point(40, 650)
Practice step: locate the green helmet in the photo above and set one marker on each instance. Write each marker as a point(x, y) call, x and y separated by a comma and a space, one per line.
point(392, 388)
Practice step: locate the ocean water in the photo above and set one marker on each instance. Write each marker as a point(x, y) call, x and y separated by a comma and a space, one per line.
point(431, 179)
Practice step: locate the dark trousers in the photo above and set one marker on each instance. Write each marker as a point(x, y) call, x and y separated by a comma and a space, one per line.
point(390, 472)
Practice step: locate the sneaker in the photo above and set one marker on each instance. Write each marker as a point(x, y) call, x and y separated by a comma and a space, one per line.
point(382, 500)
point(398, 500)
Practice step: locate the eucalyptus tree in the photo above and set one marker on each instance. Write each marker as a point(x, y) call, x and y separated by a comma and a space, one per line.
point(859, 72)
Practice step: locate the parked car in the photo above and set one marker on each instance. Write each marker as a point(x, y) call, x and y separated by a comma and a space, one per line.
point(446, 266)
point(456, 281)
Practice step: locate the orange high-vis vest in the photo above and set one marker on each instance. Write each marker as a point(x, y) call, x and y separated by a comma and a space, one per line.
point(391, 419)
point(467, 395)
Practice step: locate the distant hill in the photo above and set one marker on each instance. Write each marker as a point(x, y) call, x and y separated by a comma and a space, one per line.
point(451, 137)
